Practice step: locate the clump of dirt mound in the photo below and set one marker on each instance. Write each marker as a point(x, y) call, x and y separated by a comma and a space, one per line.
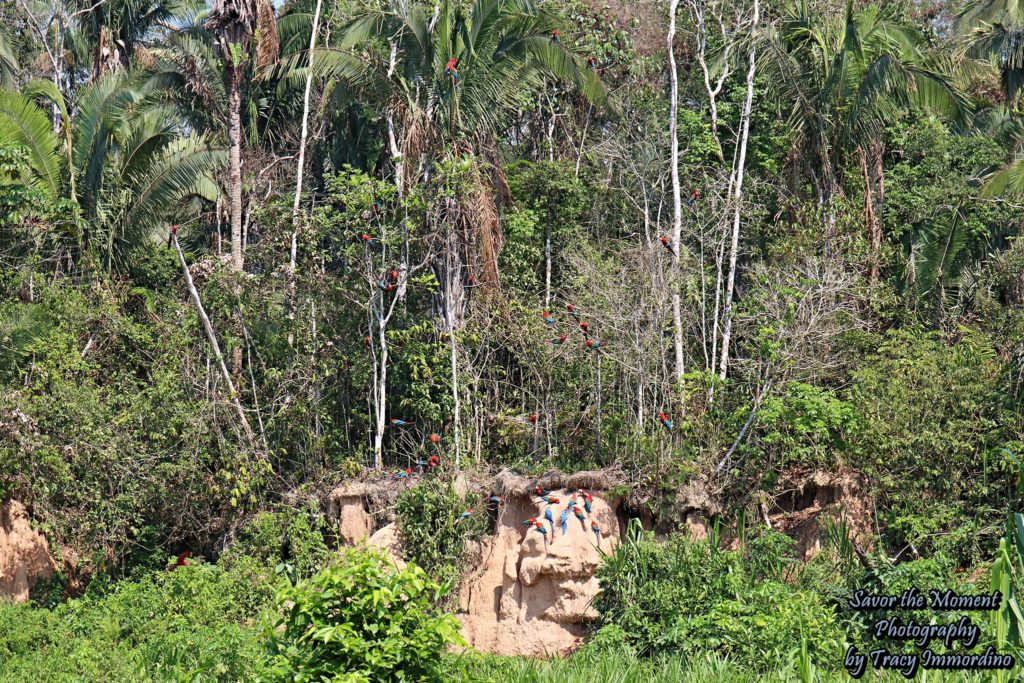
point(525, 594)
point(529, 596)
point(801, 499)
point(24, 555)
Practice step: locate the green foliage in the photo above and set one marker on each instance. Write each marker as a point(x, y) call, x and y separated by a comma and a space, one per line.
point(361, 619)
point(432, 535)
point(807, 426)
point(690, 596)
point(195, 623)
point(294, 536)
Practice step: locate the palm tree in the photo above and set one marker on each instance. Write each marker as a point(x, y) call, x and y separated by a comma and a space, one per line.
point(114, 30)
point(396, 57)
point(9, 67)
point(235, 23)
point(844, 79)
point(121, 159)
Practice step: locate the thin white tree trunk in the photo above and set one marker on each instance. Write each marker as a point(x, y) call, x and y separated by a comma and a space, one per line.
point(298, 177)
point(738, 199)
point(382, 395)
point(455, 384)
point(677, 204)
point(212, 338)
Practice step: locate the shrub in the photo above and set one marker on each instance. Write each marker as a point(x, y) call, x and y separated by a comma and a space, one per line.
point(362, 620)
point(690, 596)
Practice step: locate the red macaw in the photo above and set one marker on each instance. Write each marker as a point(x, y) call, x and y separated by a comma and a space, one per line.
point(561, 340)
point(395, 422)
point(465, 513)
point(547, 318)
point(402, 474)
point(588, 500)
point(590, 62)
point(554, 35)
point(433, 461)
point(170, 237)
point(550, 500)
point(497, 499)
point(540, 492)
point(579, 514)
point(694, 196)
point(434, 438)
point(667, 243)
point(384, 286)
point(450, 70)
point(593, 345)
point(530, 522)
point(583, 326)
point(366, 239)
point(366, 342)
point(532, 418)
point(394, 276)
point(597, 531)
point(572, 311)
point(665, 422)
point(182, 560)
point(539, 526)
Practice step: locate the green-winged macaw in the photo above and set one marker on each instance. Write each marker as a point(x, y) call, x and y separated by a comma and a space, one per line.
point(665, 422)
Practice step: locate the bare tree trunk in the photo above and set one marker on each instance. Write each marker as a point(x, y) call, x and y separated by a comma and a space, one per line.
point(298, 177)
point(738, 199)
point(871, 171)
point(212, 338)
point(677, 204)
point(235, 161)
point(381, 402)
point(456, 416)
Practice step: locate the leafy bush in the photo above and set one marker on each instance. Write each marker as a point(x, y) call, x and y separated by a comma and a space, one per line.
point(432, 535)
point(691, 596)
point(293, 536)
point(362, 620)
point(195, 623)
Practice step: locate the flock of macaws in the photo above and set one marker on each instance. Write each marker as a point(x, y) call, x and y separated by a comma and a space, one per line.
point(572, 506)
point(428, 465)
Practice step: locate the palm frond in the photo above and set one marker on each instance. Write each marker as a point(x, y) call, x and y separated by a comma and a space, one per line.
point(23, 123)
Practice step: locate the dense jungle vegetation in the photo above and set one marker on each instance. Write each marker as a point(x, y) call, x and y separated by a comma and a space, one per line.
point(252, 250)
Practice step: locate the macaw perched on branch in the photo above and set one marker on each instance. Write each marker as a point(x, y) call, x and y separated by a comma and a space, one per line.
point(384, 286)
point(366, 342)
point(465, 513)
point(667, 243)
point(694, 196)
point(434, 438)
point(665, 422)
point(551, 518)
point(170, 236)
point(402, 474)
point(590, 63)
point(561, 340)
point(593, 344)
point(572, 311)
point(583, 326)
point(562, 520)
point(597, 531)
point(547, 318)
point(395, 422)
point(433, 461)
point(366, 239)
point(554, 35)
point(532, 418)
point(450, 70)
point(497, 499)
point(579, 515)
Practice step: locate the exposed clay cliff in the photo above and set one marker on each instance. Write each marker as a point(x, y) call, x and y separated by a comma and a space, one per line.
point(531, 595)
point(24, 555)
